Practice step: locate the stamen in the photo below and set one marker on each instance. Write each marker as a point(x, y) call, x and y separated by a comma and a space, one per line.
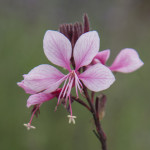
point(70, 106)
point(67, 87)
point(69, 90)
point(79, 81)
point(66, 90)
point(62, 91)
point(78, 84)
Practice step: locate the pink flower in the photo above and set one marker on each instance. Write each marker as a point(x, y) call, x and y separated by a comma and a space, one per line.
point(45, 79)
point(126, 61)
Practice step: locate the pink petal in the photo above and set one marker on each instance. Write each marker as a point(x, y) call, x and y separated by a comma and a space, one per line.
point(55, 85)
point(86, 48)
point(27, 89)
point(43, 77)
point(127, 61)
point(57, 48)
point(39, 98)
point(97, 77)
point(102, 56)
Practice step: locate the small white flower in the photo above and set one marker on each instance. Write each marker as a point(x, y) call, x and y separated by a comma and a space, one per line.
point(71, 119)
point(29, 126)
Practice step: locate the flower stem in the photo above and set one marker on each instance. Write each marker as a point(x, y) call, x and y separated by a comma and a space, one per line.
point(92, 96)
point(100, 133)
point(81, 102)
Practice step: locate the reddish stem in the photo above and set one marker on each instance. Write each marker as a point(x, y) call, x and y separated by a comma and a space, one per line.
point(81, 102)
point(100, 133)
point(92, 96)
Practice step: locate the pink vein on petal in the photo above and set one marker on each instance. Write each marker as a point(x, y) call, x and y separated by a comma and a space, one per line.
point(57, 48)
point(126, 61)
point(86, 48)
point(39, 98)
point(42, 77)
point(102, 56)
point(97, 77)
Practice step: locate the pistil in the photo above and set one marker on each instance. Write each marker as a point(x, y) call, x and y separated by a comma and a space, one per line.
point(28, 125)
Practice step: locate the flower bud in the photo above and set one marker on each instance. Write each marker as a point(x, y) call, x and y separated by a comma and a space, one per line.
point(100, 106)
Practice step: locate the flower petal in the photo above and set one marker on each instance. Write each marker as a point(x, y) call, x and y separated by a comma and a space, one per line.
point(126, 61)
point(57, 48)
point(86, 48)
point(39, 98)
point(55, 85)
point(102, 56)
point(97, 77)
point(43, 77)
point(27, 89)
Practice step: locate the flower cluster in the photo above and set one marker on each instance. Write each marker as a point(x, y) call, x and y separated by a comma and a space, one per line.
point(88, 69)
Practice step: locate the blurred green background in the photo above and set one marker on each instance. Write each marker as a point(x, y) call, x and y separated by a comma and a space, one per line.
point(121, 24)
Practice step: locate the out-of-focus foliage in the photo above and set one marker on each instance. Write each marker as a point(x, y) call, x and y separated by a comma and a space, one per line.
point(120, 23)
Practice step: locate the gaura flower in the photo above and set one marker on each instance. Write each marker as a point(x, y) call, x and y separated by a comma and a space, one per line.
point(126, 61)
point(45, 79)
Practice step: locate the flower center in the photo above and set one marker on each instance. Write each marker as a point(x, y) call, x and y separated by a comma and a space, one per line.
point(71, 81)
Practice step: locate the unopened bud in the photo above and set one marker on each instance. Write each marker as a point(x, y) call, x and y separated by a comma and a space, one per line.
point(100, 106)
point(86, 23)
